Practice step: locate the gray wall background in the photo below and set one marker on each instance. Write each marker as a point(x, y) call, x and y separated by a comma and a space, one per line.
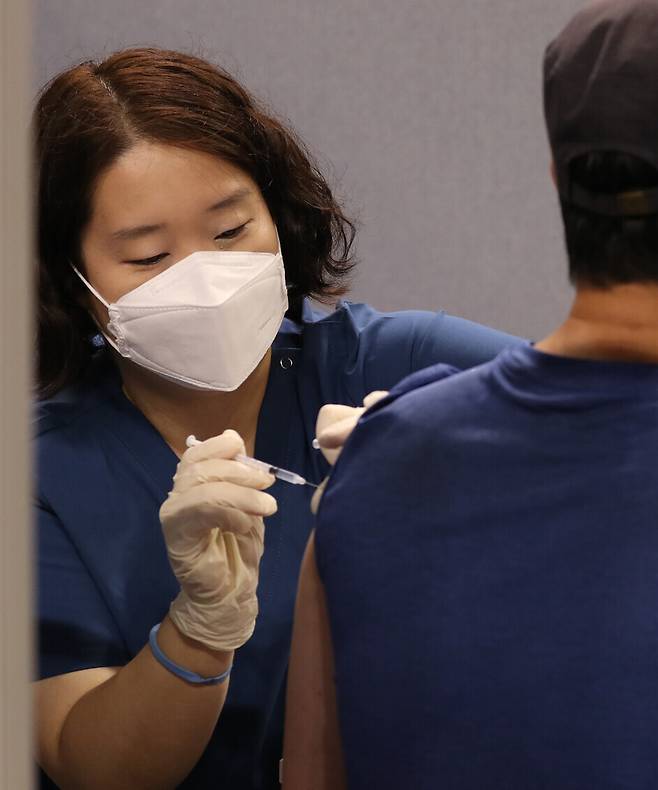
point(426, 114)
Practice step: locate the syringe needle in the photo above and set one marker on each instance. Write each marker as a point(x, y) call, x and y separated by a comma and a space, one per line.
point(281, 474)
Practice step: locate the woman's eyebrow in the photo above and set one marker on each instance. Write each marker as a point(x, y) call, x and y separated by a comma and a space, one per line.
point(136, 232)
point(231, 199)
point(130, 234)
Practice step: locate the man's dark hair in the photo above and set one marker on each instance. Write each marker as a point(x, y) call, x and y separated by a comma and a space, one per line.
point(605, 251)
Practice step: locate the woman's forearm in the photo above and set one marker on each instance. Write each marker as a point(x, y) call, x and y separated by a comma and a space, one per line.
point(144, 727)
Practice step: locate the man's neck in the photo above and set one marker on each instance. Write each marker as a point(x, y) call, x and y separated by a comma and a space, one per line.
point(176, 411)
point(616, 324)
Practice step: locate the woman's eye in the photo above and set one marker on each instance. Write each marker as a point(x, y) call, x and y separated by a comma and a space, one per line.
point(232, 233)
point(149, 261)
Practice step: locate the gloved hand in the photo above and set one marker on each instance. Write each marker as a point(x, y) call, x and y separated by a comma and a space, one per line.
point(333, 426)
point(213, 528)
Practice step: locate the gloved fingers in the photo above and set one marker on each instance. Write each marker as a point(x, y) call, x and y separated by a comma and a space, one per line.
point(202, 569)
point(374, 397)
point(193, 547)
point(317, 496)
point(243, 554)
point(334, 436)
point(226, 445)
point(231, 496)
point(230, 549)
point(336, 423)
point(209, 505)
point(252, 544)
point(220, 469)
point(228, 562)
point(332, 413)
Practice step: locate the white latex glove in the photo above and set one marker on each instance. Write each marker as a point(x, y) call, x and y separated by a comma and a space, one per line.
point(333, 426)
point(213, 527)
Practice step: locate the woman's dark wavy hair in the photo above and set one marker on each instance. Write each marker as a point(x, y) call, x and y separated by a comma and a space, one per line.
point(90, 114)
point(605, 251)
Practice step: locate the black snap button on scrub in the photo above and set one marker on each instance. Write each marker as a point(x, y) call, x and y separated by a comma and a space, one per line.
point(286, 363)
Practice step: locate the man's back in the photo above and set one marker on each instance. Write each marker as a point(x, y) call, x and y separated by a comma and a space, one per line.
point(492, 587)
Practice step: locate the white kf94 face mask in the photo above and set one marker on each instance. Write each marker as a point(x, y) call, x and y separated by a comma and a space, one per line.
point(205, 322)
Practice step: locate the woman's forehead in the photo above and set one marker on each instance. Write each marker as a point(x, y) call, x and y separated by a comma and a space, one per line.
point(153, 181)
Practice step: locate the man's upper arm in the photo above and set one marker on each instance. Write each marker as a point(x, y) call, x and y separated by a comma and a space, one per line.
point(312, 750)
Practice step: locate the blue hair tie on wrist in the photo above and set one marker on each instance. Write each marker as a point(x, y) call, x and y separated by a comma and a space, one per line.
point(181, 672)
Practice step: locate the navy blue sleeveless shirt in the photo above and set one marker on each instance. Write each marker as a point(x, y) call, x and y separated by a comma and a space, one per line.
point(489, 548)
point(104, 471)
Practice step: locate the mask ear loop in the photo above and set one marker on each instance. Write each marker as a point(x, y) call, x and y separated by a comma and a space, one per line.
point(289, 286)
point(102, 301)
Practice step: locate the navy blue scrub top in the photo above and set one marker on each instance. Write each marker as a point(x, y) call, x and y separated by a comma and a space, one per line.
point(104, 578)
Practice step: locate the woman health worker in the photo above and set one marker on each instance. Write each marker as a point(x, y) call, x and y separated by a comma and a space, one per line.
point(189, 226)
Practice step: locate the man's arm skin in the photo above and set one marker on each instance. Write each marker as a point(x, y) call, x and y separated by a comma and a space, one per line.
point(313, 754)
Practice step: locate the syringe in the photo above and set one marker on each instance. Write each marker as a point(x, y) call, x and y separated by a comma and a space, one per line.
point(277, 471)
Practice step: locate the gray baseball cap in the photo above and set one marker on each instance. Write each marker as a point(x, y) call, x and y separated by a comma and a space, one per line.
point(601, 94)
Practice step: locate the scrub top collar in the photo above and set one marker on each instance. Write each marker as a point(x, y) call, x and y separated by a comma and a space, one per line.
point(158, 460)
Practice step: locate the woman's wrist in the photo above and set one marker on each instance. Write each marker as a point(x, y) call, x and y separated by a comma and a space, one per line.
point(189, 653)
point(222, 626)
